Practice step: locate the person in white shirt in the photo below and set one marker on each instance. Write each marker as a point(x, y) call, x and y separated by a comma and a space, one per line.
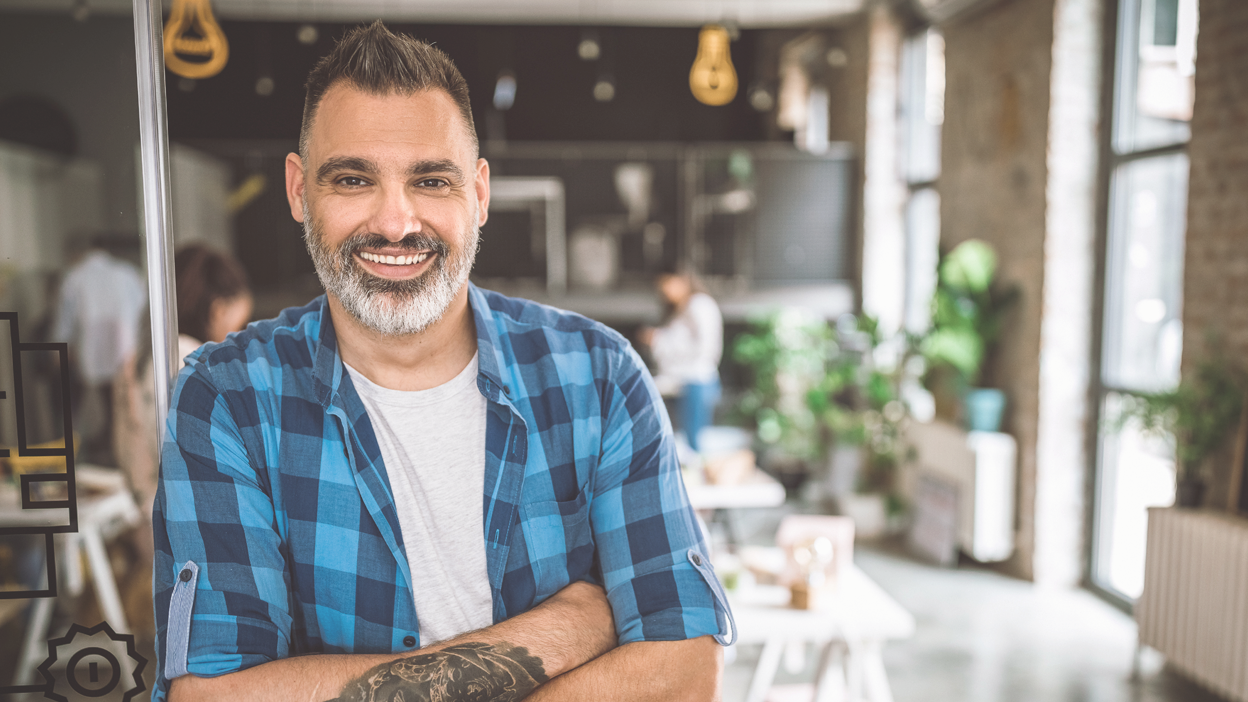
point(687, 350)
point(101, 301)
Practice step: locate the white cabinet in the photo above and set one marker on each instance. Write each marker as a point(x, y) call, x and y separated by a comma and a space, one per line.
point(980, 466)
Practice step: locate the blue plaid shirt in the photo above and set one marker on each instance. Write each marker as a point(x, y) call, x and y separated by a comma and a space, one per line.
point(276, 531)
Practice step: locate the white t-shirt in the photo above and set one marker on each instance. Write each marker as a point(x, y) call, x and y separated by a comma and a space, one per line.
point(102, 301)
point(433, 445)
point(688, 347)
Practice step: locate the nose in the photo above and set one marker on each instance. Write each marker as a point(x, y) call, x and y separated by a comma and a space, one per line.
point(396, 214)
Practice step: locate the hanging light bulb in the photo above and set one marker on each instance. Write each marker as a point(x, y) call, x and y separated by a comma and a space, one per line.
point(712, 78)
point(193, 31)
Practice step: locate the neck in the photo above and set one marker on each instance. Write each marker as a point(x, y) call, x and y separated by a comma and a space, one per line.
point(418, 361)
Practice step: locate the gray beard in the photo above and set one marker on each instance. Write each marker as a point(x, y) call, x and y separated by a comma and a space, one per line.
point(391, 307)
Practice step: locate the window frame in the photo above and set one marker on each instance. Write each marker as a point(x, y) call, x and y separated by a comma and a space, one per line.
point(1120, 65)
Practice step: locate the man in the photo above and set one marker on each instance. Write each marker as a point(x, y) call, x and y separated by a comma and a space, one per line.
point(101, 304)
point(412, 461)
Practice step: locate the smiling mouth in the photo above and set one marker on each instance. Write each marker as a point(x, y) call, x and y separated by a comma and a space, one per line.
point(408, 260)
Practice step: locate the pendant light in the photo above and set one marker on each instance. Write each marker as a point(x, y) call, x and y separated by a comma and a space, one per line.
point(207, 41)
point(712, 79)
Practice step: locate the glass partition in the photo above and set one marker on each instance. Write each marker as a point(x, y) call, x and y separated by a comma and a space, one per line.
point(77, 403)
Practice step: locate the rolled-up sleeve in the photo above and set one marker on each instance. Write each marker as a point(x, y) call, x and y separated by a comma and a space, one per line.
point(655, 563)
point(214, 510)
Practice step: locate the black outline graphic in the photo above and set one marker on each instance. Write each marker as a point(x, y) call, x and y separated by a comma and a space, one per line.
point(45, 669)
point(71, 501)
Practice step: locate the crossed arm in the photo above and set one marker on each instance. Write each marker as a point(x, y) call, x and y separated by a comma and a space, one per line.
point(564, 649)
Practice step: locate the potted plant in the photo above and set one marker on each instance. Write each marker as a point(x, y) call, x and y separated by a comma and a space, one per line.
point(786, 353)
point(860, 404)
point(967, 311)
point(1197, 416)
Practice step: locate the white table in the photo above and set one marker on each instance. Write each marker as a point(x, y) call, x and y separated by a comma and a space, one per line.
point(712, 501)
point(860, 618)
point(760, 490)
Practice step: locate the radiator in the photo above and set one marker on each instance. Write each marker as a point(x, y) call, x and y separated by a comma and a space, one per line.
point(1194, 608)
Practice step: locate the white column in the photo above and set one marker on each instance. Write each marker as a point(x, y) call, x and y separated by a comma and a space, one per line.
point(1066, 324)
point(883, 247)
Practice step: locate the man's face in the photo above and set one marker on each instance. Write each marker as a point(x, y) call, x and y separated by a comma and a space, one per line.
point(390, 197)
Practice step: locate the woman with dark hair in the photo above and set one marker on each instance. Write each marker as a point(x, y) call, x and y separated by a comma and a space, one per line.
point(214, 300)
point(687, 349)
point(213, 296)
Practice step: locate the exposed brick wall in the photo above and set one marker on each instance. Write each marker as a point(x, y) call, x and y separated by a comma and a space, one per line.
point(998, 66)
point(1215, 288)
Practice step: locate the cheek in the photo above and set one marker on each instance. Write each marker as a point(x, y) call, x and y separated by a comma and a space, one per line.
point(337, 219)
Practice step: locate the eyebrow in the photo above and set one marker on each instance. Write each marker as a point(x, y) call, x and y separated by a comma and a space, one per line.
point(344, 163)
point(436, 166)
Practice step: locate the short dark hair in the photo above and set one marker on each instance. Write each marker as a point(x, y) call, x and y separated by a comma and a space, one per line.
point(203, 276)
point(376, 60)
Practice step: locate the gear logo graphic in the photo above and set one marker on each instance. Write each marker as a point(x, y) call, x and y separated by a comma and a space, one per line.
point(88, 663)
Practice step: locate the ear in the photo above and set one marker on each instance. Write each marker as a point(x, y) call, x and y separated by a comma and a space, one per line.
point(295, 185)
point(483, 191)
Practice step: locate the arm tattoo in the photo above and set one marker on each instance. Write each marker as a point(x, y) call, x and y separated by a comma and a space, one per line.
point(471, 672)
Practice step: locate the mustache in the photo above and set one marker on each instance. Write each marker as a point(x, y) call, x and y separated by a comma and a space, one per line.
point(411, 242)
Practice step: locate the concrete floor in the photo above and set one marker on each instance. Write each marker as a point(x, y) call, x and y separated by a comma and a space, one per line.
point(983, 637)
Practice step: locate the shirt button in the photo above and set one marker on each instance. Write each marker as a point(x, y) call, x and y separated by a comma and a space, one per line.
point(409, 641)
point(697, 559)
point(507, 390)
point(185, 575)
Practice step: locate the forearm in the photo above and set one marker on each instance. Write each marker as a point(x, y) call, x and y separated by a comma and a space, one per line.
point(667, 671)
point(509, 659)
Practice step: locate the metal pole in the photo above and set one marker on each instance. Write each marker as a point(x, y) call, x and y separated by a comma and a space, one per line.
point(157, 223)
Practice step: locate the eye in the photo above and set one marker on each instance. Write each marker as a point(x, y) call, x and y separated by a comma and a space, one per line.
point(352, 181)
point(431, 183)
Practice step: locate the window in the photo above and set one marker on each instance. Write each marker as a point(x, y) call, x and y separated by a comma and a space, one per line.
point(1141, 329)
point(922, 98)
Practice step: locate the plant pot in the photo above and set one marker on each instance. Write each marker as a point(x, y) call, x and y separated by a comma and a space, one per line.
point(984, 408)
point(1189, 492)
point(844, 467)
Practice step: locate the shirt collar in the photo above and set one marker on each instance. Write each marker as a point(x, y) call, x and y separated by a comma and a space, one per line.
point(327, 363)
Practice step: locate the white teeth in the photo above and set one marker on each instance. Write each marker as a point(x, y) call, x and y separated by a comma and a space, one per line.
point(394, 260)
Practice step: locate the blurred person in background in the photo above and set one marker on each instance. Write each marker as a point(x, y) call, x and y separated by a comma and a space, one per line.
point(214, 300)
point(687, 350)
point(101, 303)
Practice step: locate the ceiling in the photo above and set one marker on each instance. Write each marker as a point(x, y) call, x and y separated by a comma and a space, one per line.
point(746, 13)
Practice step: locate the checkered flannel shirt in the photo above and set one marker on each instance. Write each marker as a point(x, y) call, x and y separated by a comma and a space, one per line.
point(274, 497)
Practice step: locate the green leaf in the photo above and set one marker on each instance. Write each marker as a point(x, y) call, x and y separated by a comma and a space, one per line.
point(970, 266)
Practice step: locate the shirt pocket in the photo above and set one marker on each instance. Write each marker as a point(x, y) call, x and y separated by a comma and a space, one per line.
point(560, 542)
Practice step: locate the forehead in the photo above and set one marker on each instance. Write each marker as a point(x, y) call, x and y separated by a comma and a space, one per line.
point(426, 124)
